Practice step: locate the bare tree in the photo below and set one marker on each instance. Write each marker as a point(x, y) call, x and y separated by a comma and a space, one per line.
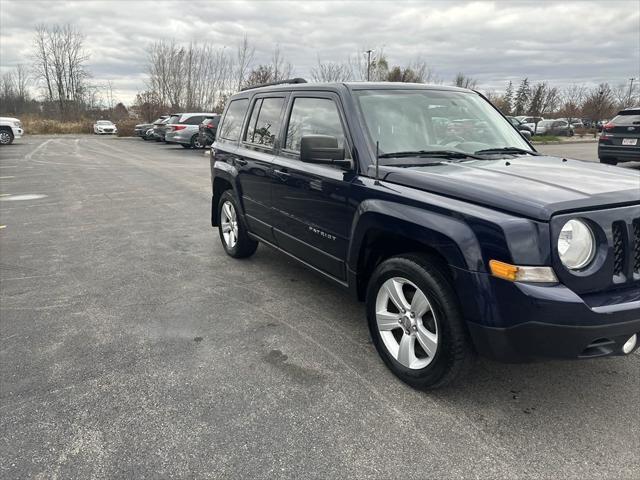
point(282, 68)
point(599, 102)
point(244, 59)
point(59, 65)
point(572, 98)
point(464, 81)
point(325, 72)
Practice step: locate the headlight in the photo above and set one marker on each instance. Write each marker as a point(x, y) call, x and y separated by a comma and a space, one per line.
point(576, 245)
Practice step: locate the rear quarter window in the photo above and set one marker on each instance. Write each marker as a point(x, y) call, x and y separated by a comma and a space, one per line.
point(231, 125)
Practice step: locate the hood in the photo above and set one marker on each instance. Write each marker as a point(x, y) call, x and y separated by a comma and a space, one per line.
point(535, 187)
point(8, 119)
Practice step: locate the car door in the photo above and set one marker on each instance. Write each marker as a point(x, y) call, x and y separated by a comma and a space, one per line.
point(254, 160)
point(312, 212)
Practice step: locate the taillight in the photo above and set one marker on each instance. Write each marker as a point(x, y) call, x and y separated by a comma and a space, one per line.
point(179, 127)
point(209, 126)
point(608, 127)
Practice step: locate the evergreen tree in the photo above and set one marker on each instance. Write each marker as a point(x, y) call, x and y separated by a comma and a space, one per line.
point(522, 98)
point(507, 101)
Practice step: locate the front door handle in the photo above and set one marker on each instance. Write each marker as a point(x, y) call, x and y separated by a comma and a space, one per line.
point(241, 162)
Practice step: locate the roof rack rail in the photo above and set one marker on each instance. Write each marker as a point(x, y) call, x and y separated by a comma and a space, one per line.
point(279, 82)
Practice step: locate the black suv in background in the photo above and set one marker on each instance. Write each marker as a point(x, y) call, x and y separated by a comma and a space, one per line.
point(429, 205)
point(207, 130)
point(620, 138)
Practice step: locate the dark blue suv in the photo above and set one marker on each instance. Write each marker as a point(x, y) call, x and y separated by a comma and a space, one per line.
point(427, 203)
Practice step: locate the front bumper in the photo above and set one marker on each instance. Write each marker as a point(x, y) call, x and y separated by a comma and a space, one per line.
point(516, 322)
point(17, 132)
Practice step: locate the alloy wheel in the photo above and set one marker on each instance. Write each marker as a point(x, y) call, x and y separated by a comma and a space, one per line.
point(5, 138)
point(406, 323)
point(229, 223)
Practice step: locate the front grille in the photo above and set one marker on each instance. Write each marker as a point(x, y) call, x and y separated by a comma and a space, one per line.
point(636, 245)
point(618, 248)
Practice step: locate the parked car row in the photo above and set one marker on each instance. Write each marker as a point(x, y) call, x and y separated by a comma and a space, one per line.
point(191, 130)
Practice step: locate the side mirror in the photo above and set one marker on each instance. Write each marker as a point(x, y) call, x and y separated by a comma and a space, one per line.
point(323, 150)
point(526, 134)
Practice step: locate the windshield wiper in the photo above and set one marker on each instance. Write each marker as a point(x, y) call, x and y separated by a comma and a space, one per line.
point(506, 150)
point(430, 153)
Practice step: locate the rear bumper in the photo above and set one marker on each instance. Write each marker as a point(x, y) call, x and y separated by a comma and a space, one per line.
point(517, 322)
point(621, 154)
point(180, 136)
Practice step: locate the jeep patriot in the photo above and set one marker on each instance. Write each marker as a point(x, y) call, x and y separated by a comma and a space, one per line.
point(428, 204)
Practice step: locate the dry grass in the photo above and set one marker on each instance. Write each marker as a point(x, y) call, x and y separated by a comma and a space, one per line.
point(35, 126)
point(40, 126)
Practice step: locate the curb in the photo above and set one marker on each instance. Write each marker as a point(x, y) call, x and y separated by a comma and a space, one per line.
point(568, 142)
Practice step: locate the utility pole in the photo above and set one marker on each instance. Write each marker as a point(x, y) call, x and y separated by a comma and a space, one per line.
point(368, 52)
point(630, 91)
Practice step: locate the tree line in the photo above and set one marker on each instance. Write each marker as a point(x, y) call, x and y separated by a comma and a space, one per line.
point(200, 76)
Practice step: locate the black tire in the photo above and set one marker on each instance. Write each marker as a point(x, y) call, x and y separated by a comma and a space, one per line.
point(6, 136)
point(195, 142)
point(244, 245)
point(185, 145)
point(609, 161)
point(454, 354)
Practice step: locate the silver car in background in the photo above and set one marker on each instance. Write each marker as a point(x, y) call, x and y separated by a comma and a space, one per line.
point(182, 128)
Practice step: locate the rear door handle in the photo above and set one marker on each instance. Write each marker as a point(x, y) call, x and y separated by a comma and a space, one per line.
point(281, 174)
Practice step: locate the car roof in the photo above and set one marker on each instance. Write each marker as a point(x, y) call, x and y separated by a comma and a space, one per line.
point(630, 111)
point(345, 86)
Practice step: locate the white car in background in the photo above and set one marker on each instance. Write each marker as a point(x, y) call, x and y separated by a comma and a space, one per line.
point(10, 129)
point(104, 126)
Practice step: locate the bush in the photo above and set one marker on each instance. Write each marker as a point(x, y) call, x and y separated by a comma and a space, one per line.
point(581, 132)
point(125, 128)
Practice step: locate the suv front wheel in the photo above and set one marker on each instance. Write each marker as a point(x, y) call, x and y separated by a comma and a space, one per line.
point(415, 321)
point(233, 232)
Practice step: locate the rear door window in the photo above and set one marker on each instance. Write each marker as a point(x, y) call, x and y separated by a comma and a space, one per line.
point(266, 118)
point(194, 120)
point(231, 126)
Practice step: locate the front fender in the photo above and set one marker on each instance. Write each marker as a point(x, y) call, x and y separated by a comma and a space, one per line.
point(450, 236)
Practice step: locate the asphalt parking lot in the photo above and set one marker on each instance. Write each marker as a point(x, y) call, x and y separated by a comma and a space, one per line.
point(132, 346)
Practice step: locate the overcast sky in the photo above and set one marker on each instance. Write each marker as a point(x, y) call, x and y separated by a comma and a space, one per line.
point(558, 41)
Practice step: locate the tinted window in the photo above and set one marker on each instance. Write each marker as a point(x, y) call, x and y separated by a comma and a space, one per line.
point(194, 120)
point(267, 126)
point(232, 124)
point(173, 119)
point(313, 116)
point(253, 120)
point(626, 120)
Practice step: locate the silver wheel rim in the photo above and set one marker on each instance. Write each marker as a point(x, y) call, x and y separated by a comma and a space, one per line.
point(229, 224)
point(196, 143)
point(406, 323)
point(5, 138)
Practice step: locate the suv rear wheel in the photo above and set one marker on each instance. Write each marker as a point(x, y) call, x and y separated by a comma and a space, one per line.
point(195, 142)
point(233, 232)
point(415, 321)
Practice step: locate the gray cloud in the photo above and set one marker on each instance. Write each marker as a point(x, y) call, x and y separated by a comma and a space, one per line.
point(561, 42)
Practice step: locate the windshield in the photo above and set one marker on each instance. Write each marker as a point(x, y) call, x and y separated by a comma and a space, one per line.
point(104, 122)
point(425, 120)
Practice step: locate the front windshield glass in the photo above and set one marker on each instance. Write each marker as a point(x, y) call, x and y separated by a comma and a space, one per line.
point(426, 120)
point(104, 122)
